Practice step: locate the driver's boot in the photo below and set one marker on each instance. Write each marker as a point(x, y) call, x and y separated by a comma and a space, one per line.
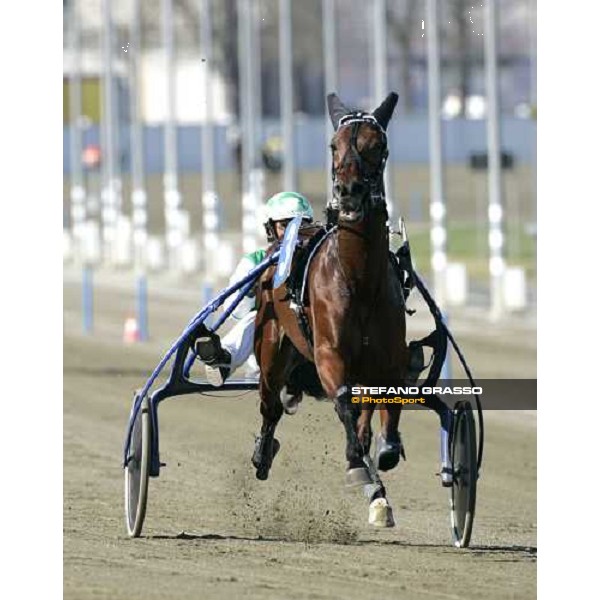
point(216, 358)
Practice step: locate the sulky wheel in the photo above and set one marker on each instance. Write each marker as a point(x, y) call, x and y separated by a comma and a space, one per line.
point(463, 493)
point(137, 470)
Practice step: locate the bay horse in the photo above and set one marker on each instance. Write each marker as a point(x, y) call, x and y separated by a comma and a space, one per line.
point(355, 309)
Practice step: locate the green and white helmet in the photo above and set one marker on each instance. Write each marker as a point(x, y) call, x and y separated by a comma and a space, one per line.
point(287, 205)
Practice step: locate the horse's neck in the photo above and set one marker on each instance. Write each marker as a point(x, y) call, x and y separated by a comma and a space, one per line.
point(363, 255)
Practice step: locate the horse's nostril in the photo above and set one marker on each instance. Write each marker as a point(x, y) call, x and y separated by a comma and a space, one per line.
point(339, 189)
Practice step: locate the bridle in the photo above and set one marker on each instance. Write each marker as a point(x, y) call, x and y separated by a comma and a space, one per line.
point(372, 179)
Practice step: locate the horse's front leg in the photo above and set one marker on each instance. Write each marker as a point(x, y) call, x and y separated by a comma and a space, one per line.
point(380, 510)
point(357, 425)
point(332, 374)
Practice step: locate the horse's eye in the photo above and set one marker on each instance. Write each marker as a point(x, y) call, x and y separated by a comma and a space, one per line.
point(333, 147)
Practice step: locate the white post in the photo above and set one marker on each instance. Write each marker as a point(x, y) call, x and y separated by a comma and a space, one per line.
point(75, 105)
point(533, 52)
point(436, 181)
point(256, 19)
point(330, 61)
point(247, 118)
point(495, 212)
point(286, 94)
point(173, 214)
point(138, 194)
point(380, 79)
point(210, 200)
point(111, 200)
point(257, 184)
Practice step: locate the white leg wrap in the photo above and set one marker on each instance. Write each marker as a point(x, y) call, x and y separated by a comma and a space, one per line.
point(240, 340)
point(381, 513)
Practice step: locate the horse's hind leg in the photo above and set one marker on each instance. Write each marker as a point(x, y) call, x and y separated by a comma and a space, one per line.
point(272, 359)
point(389, 446)
point(266, 444)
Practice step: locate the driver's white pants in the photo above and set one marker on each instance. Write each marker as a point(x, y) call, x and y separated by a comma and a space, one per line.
point(240, 340)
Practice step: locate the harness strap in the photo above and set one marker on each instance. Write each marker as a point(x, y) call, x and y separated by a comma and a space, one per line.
point(310, 257)
point(351, 230)
point(297, 296)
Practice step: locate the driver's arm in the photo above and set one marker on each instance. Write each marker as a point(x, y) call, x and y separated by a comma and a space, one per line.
point(247, 304)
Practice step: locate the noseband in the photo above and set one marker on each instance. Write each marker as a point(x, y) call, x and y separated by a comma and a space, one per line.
point(373, 181)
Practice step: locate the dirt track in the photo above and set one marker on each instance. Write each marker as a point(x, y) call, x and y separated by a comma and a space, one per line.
point(300, 534)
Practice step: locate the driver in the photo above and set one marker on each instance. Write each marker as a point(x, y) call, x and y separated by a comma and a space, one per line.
point(222, 357)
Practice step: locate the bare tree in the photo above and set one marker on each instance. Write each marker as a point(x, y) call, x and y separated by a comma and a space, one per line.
point(226, 50)
point(403, 19)
point(460, 40)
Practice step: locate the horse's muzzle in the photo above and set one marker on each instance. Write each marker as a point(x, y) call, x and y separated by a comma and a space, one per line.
point(351, 209)
point(348, 192)
point(350, 199)
point(351, 216)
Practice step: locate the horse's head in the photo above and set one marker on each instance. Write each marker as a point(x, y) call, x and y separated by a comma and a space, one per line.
point(359, 148)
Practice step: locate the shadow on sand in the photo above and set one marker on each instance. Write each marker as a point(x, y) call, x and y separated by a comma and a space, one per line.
point(514, 551)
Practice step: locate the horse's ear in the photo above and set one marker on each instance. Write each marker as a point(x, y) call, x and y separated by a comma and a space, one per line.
point(383, 113)
point(336, 108)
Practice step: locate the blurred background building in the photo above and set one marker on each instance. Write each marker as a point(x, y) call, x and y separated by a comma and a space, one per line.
point(463, 111)
point(461, 45)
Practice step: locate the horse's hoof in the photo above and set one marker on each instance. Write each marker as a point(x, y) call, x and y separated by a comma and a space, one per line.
point(358, 476)
point(262, 472)
point(381, 514)
point(388, 453)
point(261, 463)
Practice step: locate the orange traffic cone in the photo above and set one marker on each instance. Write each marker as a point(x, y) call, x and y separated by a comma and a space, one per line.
point(131, 331)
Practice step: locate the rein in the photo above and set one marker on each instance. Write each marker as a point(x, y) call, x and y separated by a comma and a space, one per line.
point(360, 234)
